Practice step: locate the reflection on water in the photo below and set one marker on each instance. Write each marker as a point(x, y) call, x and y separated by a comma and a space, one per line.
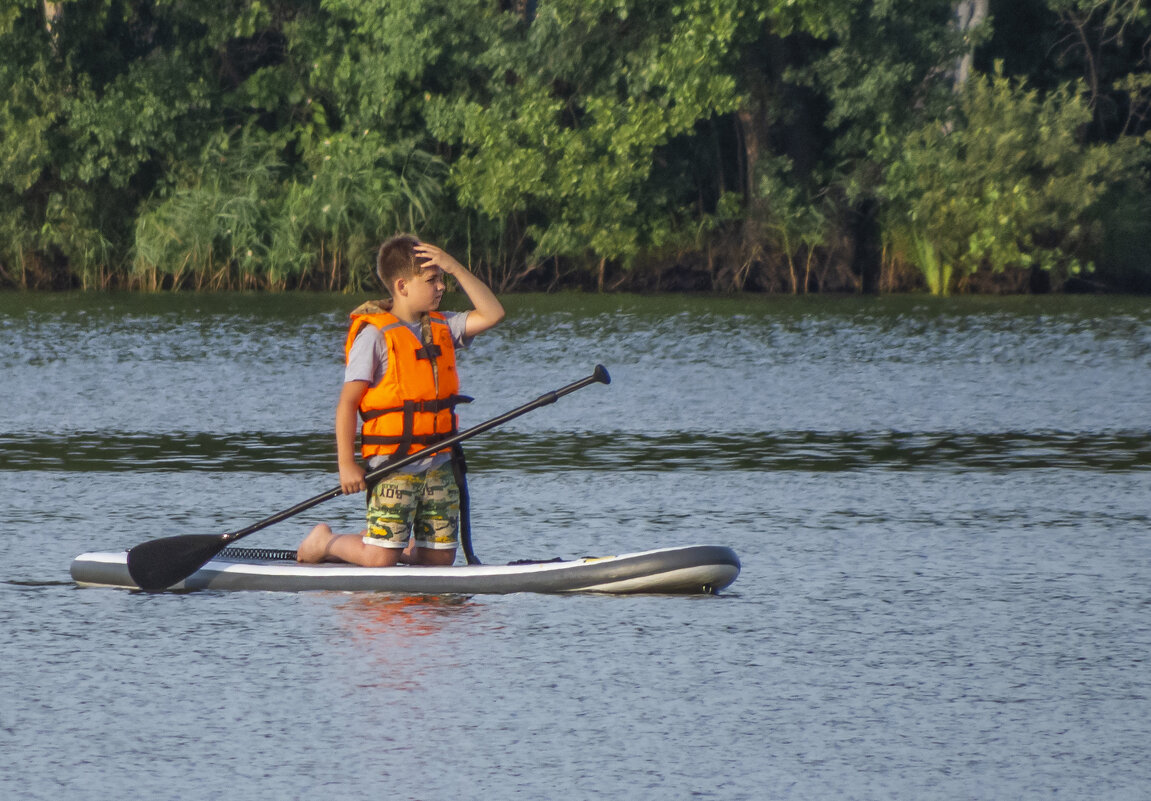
point(129, 451)
point(401, 616)
point(830, 451)
point(404, 643)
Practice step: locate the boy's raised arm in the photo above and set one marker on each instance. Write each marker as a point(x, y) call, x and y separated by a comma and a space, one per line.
point(487, 310)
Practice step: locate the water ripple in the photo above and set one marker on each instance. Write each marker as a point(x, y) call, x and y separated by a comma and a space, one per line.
point(820, 451)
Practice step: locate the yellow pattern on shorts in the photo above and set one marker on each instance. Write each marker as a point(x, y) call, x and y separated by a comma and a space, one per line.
point(428, 502)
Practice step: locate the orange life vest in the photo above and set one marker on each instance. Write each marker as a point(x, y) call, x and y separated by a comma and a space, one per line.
point(411, 405)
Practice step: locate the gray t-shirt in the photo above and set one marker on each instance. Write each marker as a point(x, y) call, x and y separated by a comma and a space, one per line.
point(368, 361)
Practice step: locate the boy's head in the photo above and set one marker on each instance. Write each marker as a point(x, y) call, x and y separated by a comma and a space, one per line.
point(397, 259)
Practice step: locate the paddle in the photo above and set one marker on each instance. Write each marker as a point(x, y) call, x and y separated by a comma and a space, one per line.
point(158, 564)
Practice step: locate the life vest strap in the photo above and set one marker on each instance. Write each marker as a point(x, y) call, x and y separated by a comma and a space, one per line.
point(411, 407)
point(417, 439)
point(405, 441)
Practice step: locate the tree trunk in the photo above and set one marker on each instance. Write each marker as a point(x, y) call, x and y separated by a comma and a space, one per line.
point(51, 14)
point(969, 14)
point(754, 118)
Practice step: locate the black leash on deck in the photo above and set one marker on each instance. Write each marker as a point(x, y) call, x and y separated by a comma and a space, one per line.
point(460, 468)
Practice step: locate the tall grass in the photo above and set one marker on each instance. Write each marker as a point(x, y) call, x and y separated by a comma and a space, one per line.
point(243, 219)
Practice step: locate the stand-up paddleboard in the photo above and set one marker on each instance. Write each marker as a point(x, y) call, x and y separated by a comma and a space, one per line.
point(686, 569)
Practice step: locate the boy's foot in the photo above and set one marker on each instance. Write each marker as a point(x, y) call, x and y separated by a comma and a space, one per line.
point(314, 548)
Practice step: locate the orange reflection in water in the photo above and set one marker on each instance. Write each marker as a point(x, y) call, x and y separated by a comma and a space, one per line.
point(403, 616)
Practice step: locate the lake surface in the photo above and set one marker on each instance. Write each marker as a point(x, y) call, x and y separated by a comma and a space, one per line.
point(941, 508)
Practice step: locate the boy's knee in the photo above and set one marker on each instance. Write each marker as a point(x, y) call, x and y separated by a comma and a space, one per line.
point(377, 556)
point(440, 557)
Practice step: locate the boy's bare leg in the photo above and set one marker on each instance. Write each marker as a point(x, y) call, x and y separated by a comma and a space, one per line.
point(322, 545)
point(436, 557)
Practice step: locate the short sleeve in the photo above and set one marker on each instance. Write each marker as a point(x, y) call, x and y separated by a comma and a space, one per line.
point(368, 358)
point(457, 324)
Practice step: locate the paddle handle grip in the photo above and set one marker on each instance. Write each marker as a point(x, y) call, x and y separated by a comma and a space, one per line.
point(599, 376)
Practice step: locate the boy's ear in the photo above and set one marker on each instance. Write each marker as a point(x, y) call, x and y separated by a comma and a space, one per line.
point(400, 286)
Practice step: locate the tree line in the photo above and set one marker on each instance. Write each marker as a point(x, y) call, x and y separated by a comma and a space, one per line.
point(737, 145)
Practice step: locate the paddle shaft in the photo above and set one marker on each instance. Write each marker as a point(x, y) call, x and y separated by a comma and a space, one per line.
point(600, 376)
point(158, 564)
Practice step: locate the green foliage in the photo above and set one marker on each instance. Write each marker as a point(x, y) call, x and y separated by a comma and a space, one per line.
point(575, 107)
point(881, 76)
point(242, 217)
point(1005, 184)
point(118, 130)
point(797, 222)
point(273, 143)
point(360, 190)
point(819, 18)
point(214, 220)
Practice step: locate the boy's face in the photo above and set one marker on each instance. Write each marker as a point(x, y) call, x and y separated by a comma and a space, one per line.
point(426, 289)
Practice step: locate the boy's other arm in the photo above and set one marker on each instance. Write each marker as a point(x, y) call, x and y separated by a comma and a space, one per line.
point(347, 411)
point(487, 310)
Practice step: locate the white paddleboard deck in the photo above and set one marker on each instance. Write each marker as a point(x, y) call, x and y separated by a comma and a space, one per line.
point(685, 569)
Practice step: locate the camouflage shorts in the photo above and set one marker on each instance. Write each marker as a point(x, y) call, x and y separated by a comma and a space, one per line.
point(426, 503)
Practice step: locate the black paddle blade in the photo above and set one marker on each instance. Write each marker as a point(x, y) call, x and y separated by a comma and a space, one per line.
point(158, 564)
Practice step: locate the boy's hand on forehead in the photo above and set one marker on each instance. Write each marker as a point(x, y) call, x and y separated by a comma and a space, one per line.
point(432, 256)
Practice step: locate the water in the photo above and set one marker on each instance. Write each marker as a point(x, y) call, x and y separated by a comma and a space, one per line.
point(940, 507)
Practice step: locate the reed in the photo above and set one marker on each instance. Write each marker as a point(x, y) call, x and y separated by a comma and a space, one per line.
point(244, 219)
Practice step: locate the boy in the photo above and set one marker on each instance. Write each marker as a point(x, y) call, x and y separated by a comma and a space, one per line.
point(400, 376)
